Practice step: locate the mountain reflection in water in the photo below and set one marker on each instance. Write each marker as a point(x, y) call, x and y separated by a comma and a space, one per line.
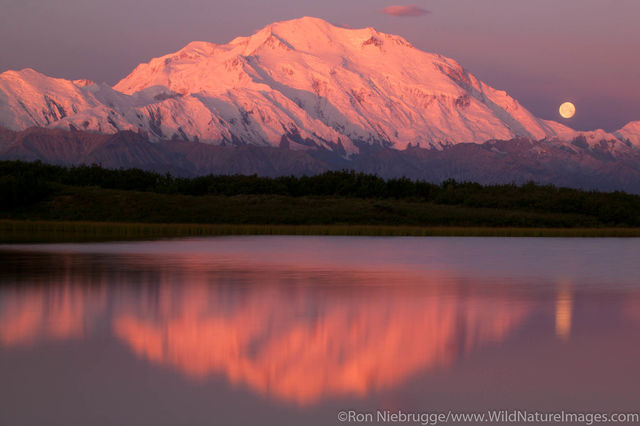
point(299, 335)
point(306, 321)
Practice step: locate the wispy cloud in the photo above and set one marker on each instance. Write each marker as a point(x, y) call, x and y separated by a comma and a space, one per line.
point(405, 11)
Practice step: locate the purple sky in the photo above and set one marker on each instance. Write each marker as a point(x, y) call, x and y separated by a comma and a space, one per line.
point(541, 52)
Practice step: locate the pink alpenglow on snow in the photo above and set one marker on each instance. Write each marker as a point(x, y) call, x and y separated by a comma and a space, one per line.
point(541, 52)
point(315, 83)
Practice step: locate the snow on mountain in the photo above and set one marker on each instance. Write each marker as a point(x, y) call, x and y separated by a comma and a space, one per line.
point(28, 98)
point(362, 84)
point(630, 133)
point(304, 83)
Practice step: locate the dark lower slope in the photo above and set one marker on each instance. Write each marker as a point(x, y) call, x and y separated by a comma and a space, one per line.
point(244, 159)
point(494, 162)
point(130, 150)
point(6, 138)
point(513, 161)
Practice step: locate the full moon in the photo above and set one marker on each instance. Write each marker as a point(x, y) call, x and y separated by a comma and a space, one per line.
point(567, 110)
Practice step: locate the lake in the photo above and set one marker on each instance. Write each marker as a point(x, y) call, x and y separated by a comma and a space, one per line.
point(295, 330)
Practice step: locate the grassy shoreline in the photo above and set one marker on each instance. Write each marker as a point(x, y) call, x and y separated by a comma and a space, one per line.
point(32, 231)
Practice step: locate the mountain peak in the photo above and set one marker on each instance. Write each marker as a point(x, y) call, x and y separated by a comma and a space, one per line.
point(199, 47)
point(23, 74)
point(310, 24)
point(305, 23)
point(360, 83)
point(304, 83)
point(630, 133)
point(315, 35)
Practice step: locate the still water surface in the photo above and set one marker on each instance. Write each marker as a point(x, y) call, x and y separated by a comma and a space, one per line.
point(291, 330)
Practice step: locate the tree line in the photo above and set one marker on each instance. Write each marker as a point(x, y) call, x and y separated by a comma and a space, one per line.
point(26, 183)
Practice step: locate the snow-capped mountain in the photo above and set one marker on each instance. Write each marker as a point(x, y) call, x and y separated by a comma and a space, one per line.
point(303, 83)
point(630, 133)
